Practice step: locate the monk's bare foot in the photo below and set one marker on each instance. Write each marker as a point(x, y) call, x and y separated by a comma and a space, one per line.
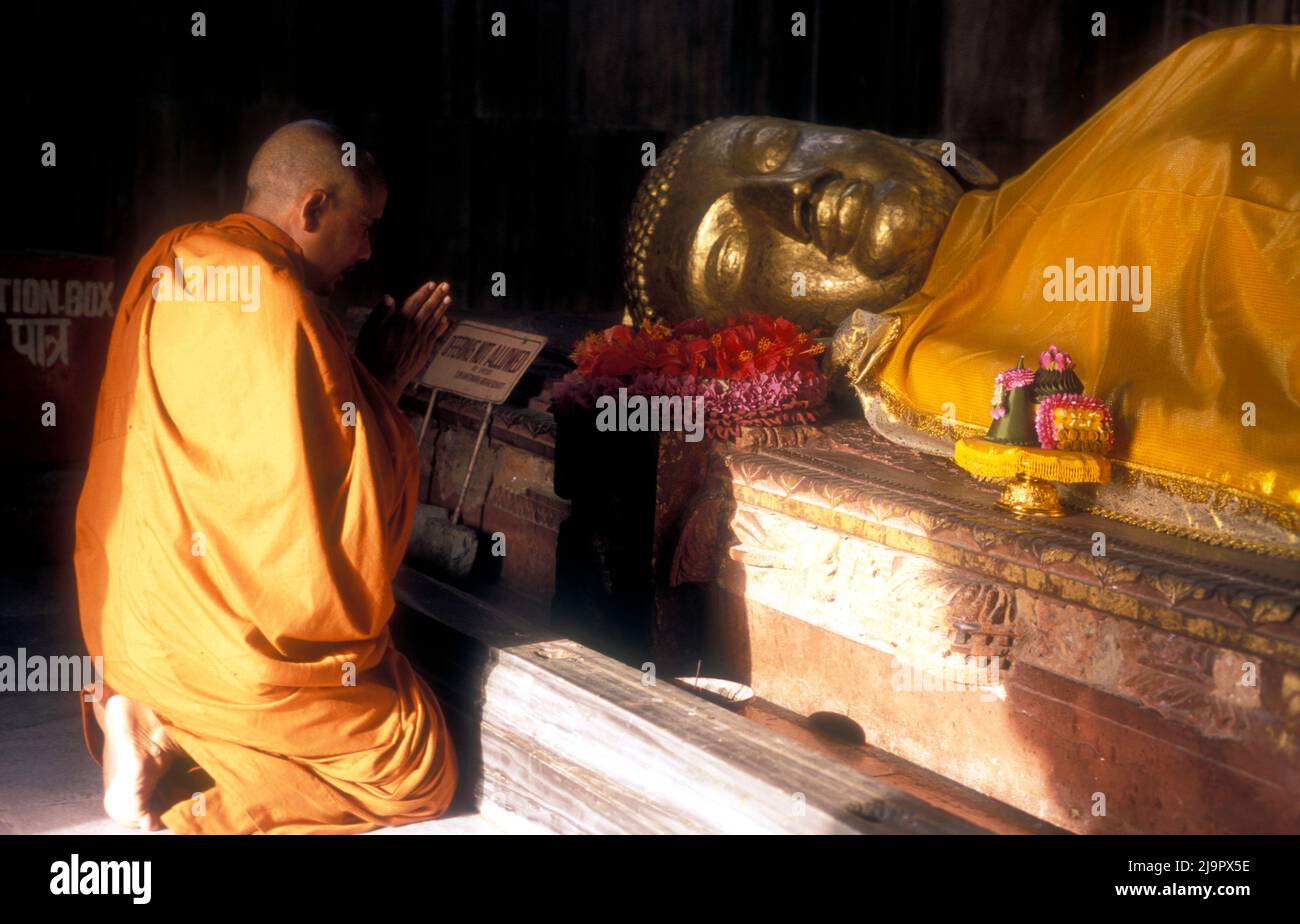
point(137, 752)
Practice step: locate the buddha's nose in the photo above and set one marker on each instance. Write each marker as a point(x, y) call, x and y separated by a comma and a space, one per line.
point(787, 203)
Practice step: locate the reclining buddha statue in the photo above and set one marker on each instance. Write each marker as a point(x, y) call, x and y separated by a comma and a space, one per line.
point(1158, 243)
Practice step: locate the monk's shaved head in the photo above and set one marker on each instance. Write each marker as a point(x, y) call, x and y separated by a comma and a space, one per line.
point(304, 155)
point(326, 199)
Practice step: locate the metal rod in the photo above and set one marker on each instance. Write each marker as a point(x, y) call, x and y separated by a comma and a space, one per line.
point(424, 426)
point(469, 470)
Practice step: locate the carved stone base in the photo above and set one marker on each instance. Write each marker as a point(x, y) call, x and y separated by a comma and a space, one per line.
point(1132, 683)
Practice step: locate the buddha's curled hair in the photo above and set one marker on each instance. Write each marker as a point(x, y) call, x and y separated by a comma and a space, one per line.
point(647, 207)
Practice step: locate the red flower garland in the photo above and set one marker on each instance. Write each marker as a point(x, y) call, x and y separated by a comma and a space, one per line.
point(746, 346)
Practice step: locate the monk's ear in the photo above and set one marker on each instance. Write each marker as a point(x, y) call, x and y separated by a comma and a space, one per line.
point(972, 171)
point(313, 208)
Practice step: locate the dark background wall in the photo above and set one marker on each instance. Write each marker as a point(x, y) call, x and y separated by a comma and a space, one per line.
point(522, 153)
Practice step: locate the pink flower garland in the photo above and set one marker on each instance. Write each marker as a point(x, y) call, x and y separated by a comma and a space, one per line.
point(762, 393)
point(1015, 378)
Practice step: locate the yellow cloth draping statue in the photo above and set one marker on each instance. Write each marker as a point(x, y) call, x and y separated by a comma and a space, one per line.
point(1159, 243)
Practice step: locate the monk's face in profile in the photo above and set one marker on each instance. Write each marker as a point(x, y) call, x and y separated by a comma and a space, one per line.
point(800, 220)
point(334, 232)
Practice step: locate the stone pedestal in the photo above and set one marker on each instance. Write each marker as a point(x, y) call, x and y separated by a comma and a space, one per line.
point(1152, 689)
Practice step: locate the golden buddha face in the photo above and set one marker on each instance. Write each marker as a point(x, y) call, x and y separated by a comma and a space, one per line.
point(790, 218)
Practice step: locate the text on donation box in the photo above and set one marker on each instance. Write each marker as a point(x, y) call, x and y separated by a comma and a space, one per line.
point(482, 362)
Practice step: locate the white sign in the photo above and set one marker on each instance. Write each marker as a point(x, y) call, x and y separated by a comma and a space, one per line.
point(482, 362)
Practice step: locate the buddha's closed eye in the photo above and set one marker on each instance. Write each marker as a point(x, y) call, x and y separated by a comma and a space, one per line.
point(760, 148)
point(726, 262)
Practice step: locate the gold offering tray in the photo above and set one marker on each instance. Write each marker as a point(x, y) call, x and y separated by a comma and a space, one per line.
point(1029, 472)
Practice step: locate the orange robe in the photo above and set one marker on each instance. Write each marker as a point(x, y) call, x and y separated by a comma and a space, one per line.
point(249, 495)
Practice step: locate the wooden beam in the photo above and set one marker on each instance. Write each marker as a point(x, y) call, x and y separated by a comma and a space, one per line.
point(577, 742)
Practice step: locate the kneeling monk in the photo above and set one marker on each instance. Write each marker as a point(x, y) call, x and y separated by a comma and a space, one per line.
point(250, 490)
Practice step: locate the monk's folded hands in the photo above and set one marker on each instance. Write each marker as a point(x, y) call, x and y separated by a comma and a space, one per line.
point(397, 344)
